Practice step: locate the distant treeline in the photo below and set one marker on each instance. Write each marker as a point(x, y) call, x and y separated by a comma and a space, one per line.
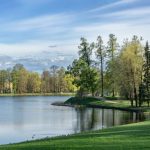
point(19, 80)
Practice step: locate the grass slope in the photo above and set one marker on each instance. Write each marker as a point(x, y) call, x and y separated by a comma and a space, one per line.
point(128, 137)
point(96, 101)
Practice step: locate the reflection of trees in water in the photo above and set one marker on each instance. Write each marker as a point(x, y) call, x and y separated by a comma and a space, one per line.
point(18, 113)
point(85, 119)
point(129, 117)
point(122, 117)
point(140, 116)
point(92, 119)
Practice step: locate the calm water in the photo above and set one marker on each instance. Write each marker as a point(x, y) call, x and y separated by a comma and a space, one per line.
point(26, 118)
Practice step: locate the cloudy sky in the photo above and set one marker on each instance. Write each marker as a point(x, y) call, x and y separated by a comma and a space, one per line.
point(30, 29)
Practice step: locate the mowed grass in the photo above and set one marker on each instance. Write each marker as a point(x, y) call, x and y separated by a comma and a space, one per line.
point(127, 137)
point(96, 101)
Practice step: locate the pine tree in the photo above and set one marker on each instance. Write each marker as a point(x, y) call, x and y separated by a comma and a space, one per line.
point(146, 80)
point(100, 54)
point(112, 48)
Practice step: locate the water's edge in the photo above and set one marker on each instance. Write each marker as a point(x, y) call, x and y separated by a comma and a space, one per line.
point(97, 106)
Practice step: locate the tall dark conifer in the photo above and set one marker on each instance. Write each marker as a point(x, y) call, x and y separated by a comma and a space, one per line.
point(100, 55)
point(146, 80)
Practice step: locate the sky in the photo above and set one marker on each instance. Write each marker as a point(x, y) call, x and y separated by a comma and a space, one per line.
point(41, 33)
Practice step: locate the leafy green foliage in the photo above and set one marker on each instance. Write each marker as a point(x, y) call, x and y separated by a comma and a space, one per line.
point(85, 75)
point(101, 54)
point(111, 51)
point(20, 81)
point(144, 88)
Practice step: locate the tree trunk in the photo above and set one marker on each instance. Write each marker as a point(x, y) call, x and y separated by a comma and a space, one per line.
point(93, 93)
point(131, 99)
point(135, 96)
point(113, 91)
point(135, 91)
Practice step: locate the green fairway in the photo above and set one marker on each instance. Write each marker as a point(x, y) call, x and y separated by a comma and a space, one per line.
point(127, 137)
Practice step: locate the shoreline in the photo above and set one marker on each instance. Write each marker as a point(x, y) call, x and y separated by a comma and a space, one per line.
point(89, 102)
point(92, 138)
point(101, 107)
point(37, 94)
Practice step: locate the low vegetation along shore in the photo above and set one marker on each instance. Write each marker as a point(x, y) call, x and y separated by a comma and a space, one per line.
point(38, 94)
point(108, 102)
point(132, 136)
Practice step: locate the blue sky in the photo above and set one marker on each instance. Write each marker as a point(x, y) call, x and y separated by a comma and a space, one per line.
point(28, 27)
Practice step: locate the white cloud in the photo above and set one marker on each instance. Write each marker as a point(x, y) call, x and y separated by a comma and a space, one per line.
point(20, 49)
point(38, 46)
point(123, 23)
point(52, 25)
point(40, 22)
point(135, 12)
point(120, 29)
point(45, 30)
point(112, 5)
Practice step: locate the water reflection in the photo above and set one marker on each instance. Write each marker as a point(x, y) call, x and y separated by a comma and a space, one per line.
point(24, 118)
point(93, 119)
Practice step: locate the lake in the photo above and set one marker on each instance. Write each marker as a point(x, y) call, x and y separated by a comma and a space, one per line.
point(32, 117)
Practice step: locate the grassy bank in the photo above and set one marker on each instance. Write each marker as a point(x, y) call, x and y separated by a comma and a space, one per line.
point(104, 103)
point(133, 136)
point(39, 94)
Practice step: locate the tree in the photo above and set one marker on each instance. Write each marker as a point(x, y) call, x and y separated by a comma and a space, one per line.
point(112, 47)
point(130, 69)
point(85, 51)
point(9, 80)
point(19, 79)
point(34, 83)
point(45, 82)
point(145, 87)
point(53, 73)
point(69, 79)
point(61, 82)
point(100, 54)
point(85, 75)
point(3, 80)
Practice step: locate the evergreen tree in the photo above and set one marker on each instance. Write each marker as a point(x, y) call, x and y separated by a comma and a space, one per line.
point(112, 47)
point(146, 80)
point(86, 76)
point(100, 54)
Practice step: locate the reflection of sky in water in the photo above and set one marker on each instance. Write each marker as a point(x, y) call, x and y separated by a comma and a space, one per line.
point(24, 118)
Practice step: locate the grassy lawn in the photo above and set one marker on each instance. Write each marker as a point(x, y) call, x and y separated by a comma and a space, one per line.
point(127, 137)
point(95, 102)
